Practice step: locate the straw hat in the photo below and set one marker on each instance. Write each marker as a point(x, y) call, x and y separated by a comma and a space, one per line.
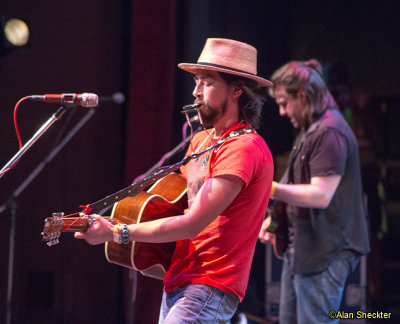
point(229, 56)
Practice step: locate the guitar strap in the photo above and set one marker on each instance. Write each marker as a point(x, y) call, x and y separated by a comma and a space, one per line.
point(234, 133)
point(288, 174)
point(157, 174)
point(295, 150)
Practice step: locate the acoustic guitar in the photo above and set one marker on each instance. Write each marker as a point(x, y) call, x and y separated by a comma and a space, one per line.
point(277, 224)
point(133, 205)
point(167, 197)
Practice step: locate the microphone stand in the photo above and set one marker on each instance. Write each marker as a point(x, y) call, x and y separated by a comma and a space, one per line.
point(56, 116)
point(11, 202)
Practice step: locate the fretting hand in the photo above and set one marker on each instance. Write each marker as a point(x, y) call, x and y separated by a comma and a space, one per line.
point(100, 231)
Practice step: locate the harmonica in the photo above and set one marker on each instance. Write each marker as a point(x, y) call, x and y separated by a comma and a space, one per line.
point(190, 108)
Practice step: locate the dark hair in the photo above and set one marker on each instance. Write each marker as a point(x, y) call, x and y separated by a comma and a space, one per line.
point(306, 76)
point(252, 99)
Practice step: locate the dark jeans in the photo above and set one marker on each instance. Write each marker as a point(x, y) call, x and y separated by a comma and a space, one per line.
point(309, 299)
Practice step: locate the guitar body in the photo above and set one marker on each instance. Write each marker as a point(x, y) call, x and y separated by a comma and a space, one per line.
point(278, 225)
point(165, 198)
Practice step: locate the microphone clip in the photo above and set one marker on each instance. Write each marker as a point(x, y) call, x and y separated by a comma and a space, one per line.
point(190, 109)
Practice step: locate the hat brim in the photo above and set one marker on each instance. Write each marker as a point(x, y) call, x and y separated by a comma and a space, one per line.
point(193, 68)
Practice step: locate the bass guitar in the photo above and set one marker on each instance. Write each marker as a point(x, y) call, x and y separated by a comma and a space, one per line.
point(167, 197)
point(277, 224)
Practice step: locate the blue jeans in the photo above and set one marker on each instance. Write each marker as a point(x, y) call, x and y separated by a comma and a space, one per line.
point(308, 299)
point(197, 303)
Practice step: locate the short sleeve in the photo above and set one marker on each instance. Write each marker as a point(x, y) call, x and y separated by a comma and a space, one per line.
point(241, 157)
point(329, 154)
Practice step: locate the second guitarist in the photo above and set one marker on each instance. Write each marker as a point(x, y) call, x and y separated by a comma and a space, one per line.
point(324, 193)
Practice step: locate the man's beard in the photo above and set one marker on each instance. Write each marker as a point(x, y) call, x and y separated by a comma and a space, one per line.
point(210, 114)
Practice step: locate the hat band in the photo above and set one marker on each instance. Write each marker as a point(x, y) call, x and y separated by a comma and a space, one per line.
point(225, 67)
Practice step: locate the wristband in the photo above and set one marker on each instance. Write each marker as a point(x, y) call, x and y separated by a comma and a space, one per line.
point(116, 235)
point(273, 188)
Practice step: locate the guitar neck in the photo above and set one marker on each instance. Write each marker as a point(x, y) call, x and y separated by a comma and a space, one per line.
point(76, 224)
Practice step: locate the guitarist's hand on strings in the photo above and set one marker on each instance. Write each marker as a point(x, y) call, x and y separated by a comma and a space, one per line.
point(264, 236)
point(99, 232)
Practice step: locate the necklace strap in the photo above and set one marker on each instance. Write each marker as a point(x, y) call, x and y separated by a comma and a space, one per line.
point(234, 133)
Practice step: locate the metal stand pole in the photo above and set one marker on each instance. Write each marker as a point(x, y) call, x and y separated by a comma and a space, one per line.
point(56, 116)
point(13, 209)
point(11, 202)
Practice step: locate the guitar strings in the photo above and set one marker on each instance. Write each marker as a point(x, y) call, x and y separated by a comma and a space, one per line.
point(70, 225)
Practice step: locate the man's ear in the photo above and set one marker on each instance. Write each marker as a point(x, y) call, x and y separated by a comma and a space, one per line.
point(237, 92)
point(302, 96)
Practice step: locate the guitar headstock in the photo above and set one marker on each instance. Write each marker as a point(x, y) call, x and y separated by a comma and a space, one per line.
point(53, 227)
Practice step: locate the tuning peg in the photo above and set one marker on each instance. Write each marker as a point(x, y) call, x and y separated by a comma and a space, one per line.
point(53, 242)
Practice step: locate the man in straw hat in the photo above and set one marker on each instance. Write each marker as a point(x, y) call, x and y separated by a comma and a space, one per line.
point(228, 192)
point(322, 189)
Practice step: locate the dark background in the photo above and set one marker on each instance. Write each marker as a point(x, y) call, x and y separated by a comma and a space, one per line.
point(133, 46)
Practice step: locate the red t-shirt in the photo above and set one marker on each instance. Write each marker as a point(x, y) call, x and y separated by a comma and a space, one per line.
point(221, 255)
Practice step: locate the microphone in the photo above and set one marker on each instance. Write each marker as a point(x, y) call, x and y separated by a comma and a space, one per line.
point(117, 98)
point(88, 100)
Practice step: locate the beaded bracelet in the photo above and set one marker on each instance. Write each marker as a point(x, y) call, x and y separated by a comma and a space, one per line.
point(124, 232)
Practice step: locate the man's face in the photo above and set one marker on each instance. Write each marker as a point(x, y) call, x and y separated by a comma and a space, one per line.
point(290, 106)
point(211, 91)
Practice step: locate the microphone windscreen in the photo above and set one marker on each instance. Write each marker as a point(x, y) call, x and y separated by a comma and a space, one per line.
point(118, 98)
